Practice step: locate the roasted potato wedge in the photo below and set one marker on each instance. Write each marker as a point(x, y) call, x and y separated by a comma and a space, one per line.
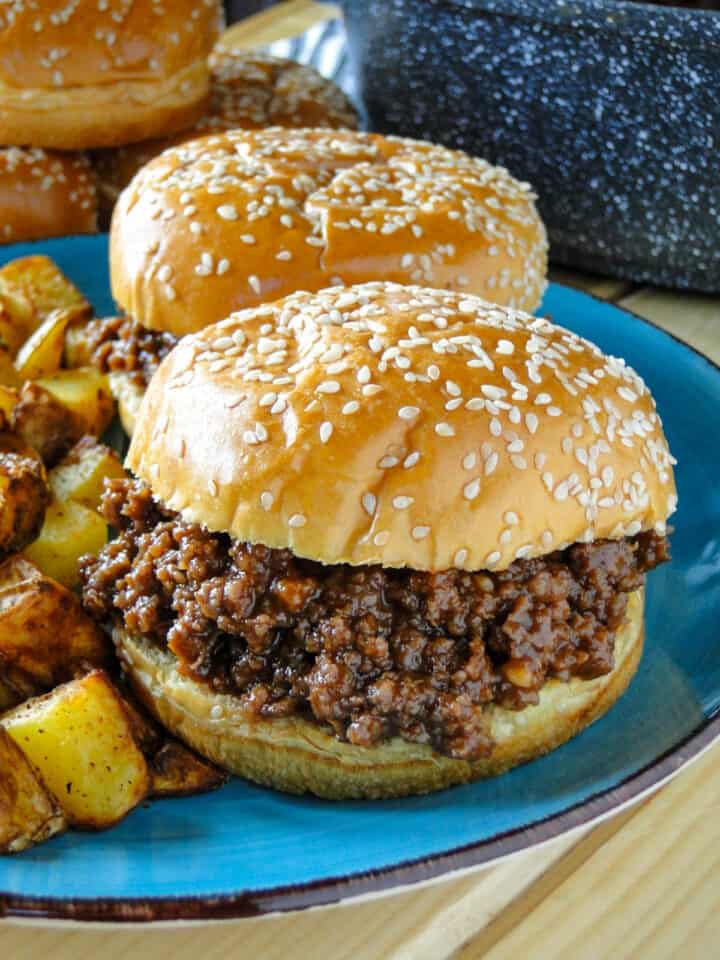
point(178, 772)
point(81, 474)
point(80, 740)
point(24, 496)
point(70, 530)
point(31, 287)
point(42, 352)
point(8, 400)
point(28, 813)
point(45, 423)
point(9, 377)
point(45, 635)
point(86, 393)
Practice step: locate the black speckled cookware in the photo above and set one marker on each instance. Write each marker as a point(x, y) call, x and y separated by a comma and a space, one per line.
point(611, 109)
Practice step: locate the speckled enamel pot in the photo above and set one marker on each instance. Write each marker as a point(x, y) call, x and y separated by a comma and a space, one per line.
point(609, 108)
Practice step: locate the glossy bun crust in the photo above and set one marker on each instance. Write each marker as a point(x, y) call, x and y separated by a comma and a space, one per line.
point(237, 219)
point(92, 73)
point(248, 89)
point(403, 426)
point(300, 756)
point(45, 194)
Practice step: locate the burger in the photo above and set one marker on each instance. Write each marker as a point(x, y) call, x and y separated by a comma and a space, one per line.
point(383, 539)
point(248, 89)
point(241, 218)
point(91, 73)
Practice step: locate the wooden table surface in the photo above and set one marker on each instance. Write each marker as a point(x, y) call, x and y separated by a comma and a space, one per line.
point(643, 884)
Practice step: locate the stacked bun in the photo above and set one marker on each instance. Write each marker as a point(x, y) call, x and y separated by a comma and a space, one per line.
point(90, 74)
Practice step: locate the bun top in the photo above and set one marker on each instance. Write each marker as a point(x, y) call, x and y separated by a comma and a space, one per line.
point(237, 219)
point(45, 194)
point(403, 426)
point(58, 44)
point(248, 89)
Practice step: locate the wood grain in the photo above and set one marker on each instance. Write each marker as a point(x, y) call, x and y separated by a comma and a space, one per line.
point(643, 884)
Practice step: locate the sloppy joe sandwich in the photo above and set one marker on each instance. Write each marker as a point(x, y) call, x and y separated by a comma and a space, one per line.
point(244, 217)
point(384, 539)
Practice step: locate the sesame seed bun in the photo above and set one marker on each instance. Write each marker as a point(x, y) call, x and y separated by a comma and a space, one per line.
point(236, 219)
point(94, 74)
point(299, 756)
point(403, 426)
point(248, 89)
point(45, 194)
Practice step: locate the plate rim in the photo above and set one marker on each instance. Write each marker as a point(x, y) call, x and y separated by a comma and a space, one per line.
point(262, 902)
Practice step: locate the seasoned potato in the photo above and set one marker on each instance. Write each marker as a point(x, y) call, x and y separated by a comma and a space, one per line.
point(9, 377)
point(31, 287)
point(42, 352)
point(45, 423)
point(8, 400)
point(11, 443)
point(77, 352)
point(24, 496)
point(80, 740)
point(70, 530)
point(81, 474)
point(178, 772)
point(45, 635)
point(28, 814)
point(86, 393)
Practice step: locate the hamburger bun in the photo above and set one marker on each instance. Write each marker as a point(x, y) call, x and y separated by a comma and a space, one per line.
point(239, 218)
point(446, 430)
point(45, 194)
point(248, 89)
point(299, 756)
point(95, 74)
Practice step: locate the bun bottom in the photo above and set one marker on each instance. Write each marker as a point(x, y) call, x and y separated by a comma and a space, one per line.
point(128, 396)
point(298, 756)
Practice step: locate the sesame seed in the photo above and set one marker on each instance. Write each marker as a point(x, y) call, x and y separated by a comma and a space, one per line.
point(491, 463)
point(222, 267)
point(381, 538)
point(328, 386)
point(495, 427)
point(546, 538)
point(444, 430)
point(408, 413)
point(433, 371)
point(469, 460)
point(364, 375)
point(254, 282)
point(248, 238)
point(227, 212)
point(472, 489)
point(369, 502)
point(297, 520)
point(370, 389)
point(505, 347)
point(352, 406)
point(452, 388)
point(388, 462)
point(492, 558)
point(460, 557)
point(542, 398)
point(520, 463)
point(419, 533)
point(326, 429)
point(266, 500)
point(511, 518)
point(411, 460)
point(402, 503)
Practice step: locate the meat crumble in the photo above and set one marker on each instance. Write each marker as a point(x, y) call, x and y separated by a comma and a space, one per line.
point(368, 651)
point(121, 344)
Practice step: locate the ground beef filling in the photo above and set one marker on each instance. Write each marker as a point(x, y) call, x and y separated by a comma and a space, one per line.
point(120, 344)
point(368, 651)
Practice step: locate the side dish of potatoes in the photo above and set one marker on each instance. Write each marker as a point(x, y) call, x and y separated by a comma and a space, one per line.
point(75, 748)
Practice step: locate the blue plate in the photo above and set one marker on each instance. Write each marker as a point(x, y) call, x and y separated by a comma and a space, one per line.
point(245, 850)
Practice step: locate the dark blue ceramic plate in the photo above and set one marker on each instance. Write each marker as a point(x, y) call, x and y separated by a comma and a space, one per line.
point(245, 850)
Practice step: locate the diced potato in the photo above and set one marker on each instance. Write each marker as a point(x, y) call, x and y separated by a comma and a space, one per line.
point(9, 377)
point(28, 814)
point(45, 635)
point(24, 496)
point(45, 423)
point(77, 347)
point(42, 352)
point(70, 530)
point(8, 400)
point(178, 772)
point(85, 391)
point(80, 740)
point(31, 287)
point(81, 474)
point(13, 332)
